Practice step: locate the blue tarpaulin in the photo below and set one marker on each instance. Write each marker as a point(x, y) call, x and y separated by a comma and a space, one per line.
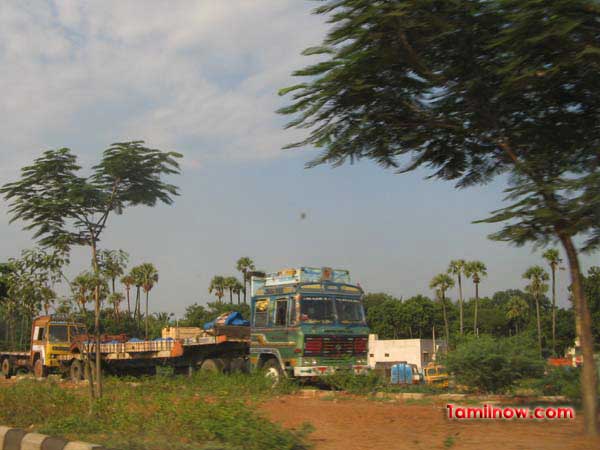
point(232, 318)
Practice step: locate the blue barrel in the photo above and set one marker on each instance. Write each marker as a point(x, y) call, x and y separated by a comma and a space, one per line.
point(401, 374)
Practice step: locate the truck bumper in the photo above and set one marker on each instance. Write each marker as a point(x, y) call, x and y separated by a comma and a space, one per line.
point(316, 371)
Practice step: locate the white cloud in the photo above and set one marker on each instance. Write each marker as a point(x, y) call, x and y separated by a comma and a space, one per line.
point(197, 76)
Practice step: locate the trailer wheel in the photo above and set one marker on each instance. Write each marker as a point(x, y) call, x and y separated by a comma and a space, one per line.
point(39, 370)
point(239, 365)
point(76, 370)
point(272, 370)
point(7, 369)
point(215, 365)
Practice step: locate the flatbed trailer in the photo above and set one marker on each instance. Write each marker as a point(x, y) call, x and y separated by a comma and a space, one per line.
point(226, 350)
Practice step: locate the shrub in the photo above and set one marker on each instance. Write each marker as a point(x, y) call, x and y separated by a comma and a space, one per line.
point(494, 364)
point(561, 381)
point(354, 384)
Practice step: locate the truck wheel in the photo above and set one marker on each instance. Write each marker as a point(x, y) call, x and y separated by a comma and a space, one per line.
point(76, 370)
point(7, 369)
point(215, 365)
point(39, 370)
point(272, 370)
point(239, 365)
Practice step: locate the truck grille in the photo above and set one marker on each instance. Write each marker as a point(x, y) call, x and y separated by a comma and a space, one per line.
point(335, 346)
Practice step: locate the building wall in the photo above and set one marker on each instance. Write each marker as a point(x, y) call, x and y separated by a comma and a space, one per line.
point(413, 351)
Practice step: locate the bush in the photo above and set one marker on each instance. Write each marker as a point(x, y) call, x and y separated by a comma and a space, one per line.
point(494, 364)
point(154, 413)
point(561, 381)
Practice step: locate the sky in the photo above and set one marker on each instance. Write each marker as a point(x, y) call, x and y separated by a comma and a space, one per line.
point(201, 77)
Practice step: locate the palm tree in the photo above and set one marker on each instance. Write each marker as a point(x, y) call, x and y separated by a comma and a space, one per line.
point(475, 270)
point(457, 268)
point(517, 310)
point(537, 287)
point(115, 300)
point(82, 286)
point(112, 264)
point(230, 283)
point(441, 283)
point(128, 281)
point(552, 257)
point(217, 285)
point(245, 265)
point(136, 276)
point(148, 276)
point(238, 288)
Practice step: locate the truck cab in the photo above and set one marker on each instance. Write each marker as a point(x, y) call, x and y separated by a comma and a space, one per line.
point(307, 322)
point(51, 336)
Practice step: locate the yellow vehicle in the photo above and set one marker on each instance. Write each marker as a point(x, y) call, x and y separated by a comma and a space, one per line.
point(51, 336)
point(436, 374)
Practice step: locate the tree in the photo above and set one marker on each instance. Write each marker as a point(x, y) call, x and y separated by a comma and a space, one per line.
point(147, 276)
point(471, 90)
point(552, 257)
point(115, 299)
point(517, 311)
point(237, 289)
point(112, 264)
point(245, 265)
point(230, 283)
point(217, 285)
point(537, 288)
point(441, 283)
point(65, 209)
point(591, 286)
point(128, 281)
point(475, 270)
point(457, 268)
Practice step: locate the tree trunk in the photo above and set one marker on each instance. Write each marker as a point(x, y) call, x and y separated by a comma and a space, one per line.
point(97, 324)
point(583, 325)
point(128, 303)
point(446, 327)
point(147, 292)
point(230, 297)
point(553, 309)
point(238, 295)
point(460, 303)
point(476, 306)
point(245, 284)
point(539, 324)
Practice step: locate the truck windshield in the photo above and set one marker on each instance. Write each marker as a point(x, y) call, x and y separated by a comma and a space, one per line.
point(316, 309)
point(349, 311)
point(58, 333)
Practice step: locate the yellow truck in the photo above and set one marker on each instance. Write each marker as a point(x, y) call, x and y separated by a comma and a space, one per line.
point(51, 337)
point(436, 374)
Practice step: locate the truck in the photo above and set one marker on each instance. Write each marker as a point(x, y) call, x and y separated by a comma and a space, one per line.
point(305, 322)
point(51, 338)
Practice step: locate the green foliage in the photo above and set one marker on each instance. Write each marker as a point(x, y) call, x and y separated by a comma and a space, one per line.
point(591, 286)
point(197, 315)
point(494, 364)
point(561, 381)
point(155, 413)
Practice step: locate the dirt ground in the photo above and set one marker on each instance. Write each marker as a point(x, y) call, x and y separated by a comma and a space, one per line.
point(358, 423)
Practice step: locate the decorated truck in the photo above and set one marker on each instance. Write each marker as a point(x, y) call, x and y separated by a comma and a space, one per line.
point(307, 322)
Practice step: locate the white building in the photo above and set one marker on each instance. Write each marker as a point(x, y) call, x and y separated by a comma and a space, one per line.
point(412, 351)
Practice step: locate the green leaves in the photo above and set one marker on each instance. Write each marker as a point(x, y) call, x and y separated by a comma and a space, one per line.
point(63, 208)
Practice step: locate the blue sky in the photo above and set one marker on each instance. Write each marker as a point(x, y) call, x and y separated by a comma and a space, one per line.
point(201, 77)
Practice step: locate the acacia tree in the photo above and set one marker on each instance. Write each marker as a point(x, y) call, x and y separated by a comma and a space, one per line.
point(471, 89)
point(552, 257)
point(245, 265)
point(441, 283)
point(457, 268)
point(64, 208)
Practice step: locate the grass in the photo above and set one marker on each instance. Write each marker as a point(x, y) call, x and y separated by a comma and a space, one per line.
point(207, 411)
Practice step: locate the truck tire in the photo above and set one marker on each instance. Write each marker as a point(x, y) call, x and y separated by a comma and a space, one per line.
point(39, 370)
point(272, 369)
point(7, 369)
point(239, 365)
point(214, 365)
point(76, 370)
